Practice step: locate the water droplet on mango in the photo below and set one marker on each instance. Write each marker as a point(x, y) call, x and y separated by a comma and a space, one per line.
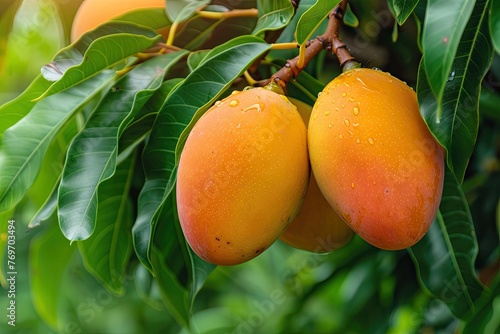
point(233, 103)
point(355, 111)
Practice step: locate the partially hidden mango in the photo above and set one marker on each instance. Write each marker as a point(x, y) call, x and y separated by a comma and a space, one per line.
point(317, 227)
point(242, 176)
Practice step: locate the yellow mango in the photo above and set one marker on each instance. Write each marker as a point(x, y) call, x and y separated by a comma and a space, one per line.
point(242, 176)
point(374, 158)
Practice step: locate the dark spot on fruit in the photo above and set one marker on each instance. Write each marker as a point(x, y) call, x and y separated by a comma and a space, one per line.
point(386, 191)
point(228, 242)
point(218, 239)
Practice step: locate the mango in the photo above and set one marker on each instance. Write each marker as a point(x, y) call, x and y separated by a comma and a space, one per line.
point(317, 227)
point(242, 176)
point(374, 158)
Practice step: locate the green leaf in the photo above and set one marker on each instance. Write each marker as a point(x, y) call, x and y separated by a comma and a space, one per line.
point(312, 18)
point(495, 23)
point(350, 19)
point(67, 11)
point(487, 319)
point(47, 273)
point(114, 43)
point(106, 253)
point(402, 9)
point(445, 256)
point(442, 32)
point(273, 15)
point(456, 129)
point(12, 111)
point(91, 157)
point(154, 18)
point(181, 10)
point(200, 89)
point(25, 143)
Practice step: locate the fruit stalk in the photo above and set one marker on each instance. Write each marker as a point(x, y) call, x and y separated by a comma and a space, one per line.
point(330, 41)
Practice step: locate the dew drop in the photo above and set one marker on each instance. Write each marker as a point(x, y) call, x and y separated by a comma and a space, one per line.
point(315, 116)
point(346, 122)
point(355, 111)
point(376, 69)
point(330, 125)
point(218, 103)
point(328, 112)
point(352, 185)
point(355, 124)
point(257, 106)
point(351, 99)
point(319, 94)
point(234, 103)
point(337, 109)
point(451, 75)
point(344, 94)
point(343, 105)
point(358, 141)
point(340, 136)
point(371, 141)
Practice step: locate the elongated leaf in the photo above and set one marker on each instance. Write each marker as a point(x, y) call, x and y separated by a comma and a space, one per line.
point(312, 18)
point(495, 23)
point(12, 111)
point(181, 10)
point(273, 15)
point(91, 157)
point(442, 32)
point(106, 253)
point(46, 276)
point(402, 9)
point(43, 192)
point(445, 257)
point(24, 144)
point(119, 41)
point(457, 128)
point(487, 319)
point(199, 89)
point(154, 18)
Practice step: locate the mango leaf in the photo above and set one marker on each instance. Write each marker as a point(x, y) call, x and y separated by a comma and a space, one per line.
point(402, 9)
point(495, 23)
point(46, 276)
point(91, 157)
point(12, 111)
point(200, 89)
point(154, 18)
point(273, 15)
point(106, 253)
point(487, 319)
point(350, 19)
point(444, 25)
point(445, 257)
point(25, 143)
point(43, 192)
point(195, 32)
point(67, 11)
point(181, 10)
point(312, 19)
point(90, 55)
point(456, 129)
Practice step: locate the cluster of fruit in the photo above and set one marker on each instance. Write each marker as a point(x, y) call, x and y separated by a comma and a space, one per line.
point(258, 167)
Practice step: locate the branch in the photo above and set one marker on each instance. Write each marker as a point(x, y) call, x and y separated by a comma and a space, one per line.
point(330, 41)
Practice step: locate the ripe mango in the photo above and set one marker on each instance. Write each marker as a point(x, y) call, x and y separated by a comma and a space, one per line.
point(242, 176)
point(374, 158)
point(317, 227)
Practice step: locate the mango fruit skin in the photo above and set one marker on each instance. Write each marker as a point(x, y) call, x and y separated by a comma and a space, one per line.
point(374, 158)
point(242, 176)
point(317, 227)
